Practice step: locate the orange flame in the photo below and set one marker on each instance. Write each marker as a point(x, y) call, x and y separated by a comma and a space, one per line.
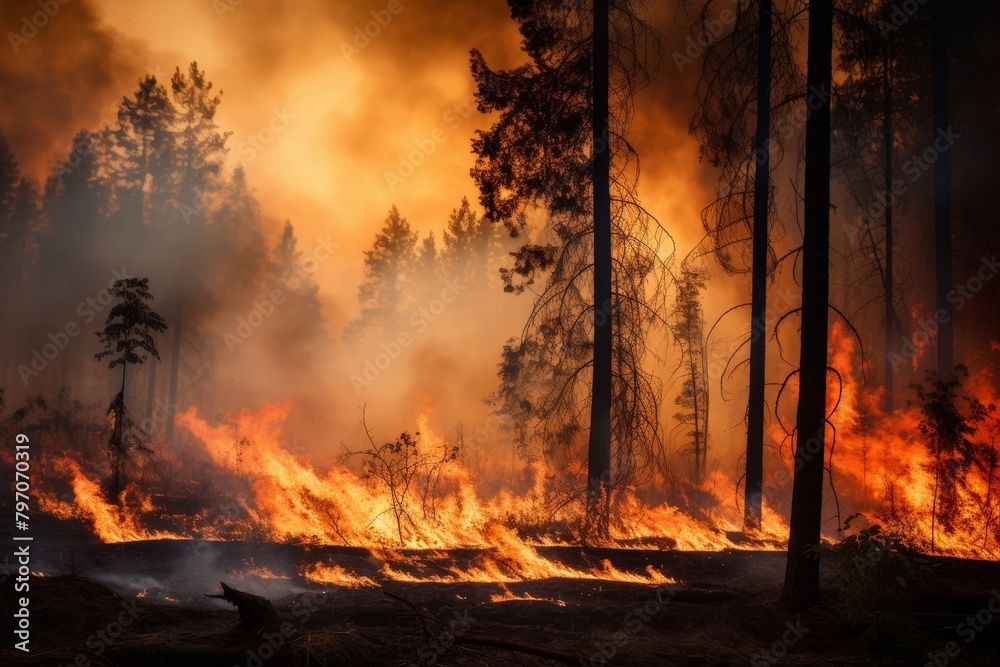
point(111, 523)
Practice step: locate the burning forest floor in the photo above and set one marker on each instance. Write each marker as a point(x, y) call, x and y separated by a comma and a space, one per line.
point(143, 603)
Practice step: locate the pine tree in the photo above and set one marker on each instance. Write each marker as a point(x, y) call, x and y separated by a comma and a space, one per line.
point(689, 332)
point(10, 177)
point(558, 144)
point(390, 272)
point(127, 335)
point(201, 147)
point(474, 252)
point(297, 328)
point(199, 150)
point(144, 150)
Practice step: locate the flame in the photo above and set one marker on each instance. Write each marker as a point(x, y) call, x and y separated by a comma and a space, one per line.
point(262, 572)
point(510, 596)
point(335, 574)
point(111, 523)
point(429, 504)
point(295, 502)
point(883, 467)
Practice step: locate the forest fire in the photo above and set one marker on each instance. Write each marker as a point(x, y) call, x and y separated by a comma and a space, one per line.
point(883, 468)
point(404, 360)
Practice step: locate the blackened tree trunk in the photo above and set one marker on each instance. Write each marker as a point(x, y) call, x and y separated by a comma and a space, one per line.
point(753, 488)
point(942, 191)
point(600, 411)
point(801, 588)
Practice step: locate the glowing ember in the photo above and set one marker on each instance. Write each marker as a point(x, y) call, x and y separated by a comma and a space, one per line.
point(510, 596)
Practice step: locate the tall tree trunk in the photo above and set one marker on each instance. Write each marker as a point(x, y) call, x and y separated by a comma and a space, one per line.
point(753, 488)
point(942, 190)
point(175, 364)
point(888, 287)
point(699, 443)
point(801, 588)
point(600, 410)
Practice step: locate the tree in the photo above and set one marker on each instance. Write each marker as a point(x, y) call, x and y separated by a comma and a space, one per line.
point(200, 148)
point(298, 333)
point(10, 176)
point(18, 249)
point(689, 332)
point(127, 335)
point(736, 122)
point(474, 250)
point(599, 451)
point(427, 271)
point(801, 589)
point(558, 146)
point(389, 270)
point(883, 81)
point(754, 484)
point(942, 191)
point(76, 202)
point(948, 434)
point(144, 146)
point(236, 239)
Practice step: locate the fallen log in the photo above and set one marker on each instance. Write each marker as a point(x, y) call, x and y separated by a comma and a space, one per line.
point(255, 611)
